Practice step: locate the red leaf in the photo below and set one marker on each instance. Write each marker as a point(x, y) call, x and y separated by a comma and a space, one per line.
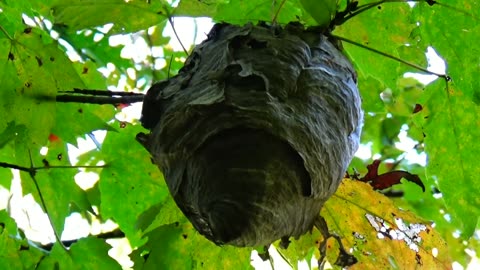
point(122, 105)
point(388, 179)
point(53, 138)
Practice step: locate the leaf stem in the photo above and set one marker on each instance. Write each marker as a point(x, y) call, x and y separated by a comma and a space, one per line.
point(72, 167)
point(274, 19)
point(42, 201)
point(445, 76)
point(176, 35)
point(32, 171)
point(5, 32)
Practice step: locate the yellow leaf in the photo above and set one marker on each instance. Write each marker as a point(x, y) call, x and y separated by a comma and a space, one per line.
point(380, 235)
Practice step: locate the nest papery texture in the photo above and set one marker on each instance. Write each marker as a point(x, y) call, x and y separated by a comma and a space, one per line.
point(255, 132)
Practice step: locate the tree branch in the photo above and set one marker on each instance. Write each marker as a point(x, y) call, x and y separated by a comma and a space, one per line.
point(35, 169)
point(94, 97)
point(117, 233)
point(98, 99)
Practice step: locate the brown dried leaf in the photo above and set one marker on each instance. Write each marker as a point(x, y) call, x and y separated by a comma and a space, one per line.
point(388, 179)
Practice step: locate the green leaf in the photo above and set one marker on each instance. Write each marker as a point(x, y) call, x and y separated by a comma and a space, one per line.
point(10, 20)
point(321, 10)
point(92, 253)
point(195, 8)
point(166, 212)
point(15, 253)
point(98, 51)
point(31, 78)
point(50, 181)
point(179, 246)
point(9, 133)
point(452, 128)
point(370, 90)
point(87, 117)
point(131, 16)
point(301, 249)
point(130, 184)
point(452, 143)
point(241, 12)
point(31, 73)
point(6, 175)
point(386, 29)
point(86, 254)
point(91, 77)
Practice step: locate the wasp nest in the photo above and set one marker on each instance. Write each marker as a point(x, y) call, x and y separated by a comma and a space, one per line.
point(255, 132)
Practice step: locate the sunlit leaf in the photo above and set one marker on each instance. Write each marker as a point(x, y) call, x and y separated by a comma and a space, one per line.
point(195, 8)
point(385, 28)
point(452, 127)
point(26, 78)
point(130, 184)
point(380, 234)
point(128, 16)
point(179, 246)
point(15, 253)
point(241, 12)
point(86, 254)
point(322, 11)
point(50, 181)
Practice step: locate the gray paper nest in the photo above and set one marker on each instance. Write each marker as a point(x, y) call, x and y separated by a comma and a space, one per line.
point(255, 132)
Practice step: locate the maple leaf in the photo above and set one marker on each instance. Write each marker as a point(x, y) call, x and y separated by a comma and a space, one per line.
point(387, 180)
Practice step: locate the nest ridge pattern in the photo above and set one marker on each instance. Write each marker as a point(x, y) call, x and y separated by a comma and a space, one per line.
point(256, 131)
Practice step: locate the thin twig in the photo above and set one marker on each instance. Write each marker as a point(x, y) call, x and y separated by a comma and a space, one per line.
point(42, 201)
point(16, 167)
point(5, 32)
point(169, 17)
point(274, 19)
point(175, 32)
point(195, 31)
point(445, 76)
point(32, 172)
point(169, 67)
point(72, 167)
